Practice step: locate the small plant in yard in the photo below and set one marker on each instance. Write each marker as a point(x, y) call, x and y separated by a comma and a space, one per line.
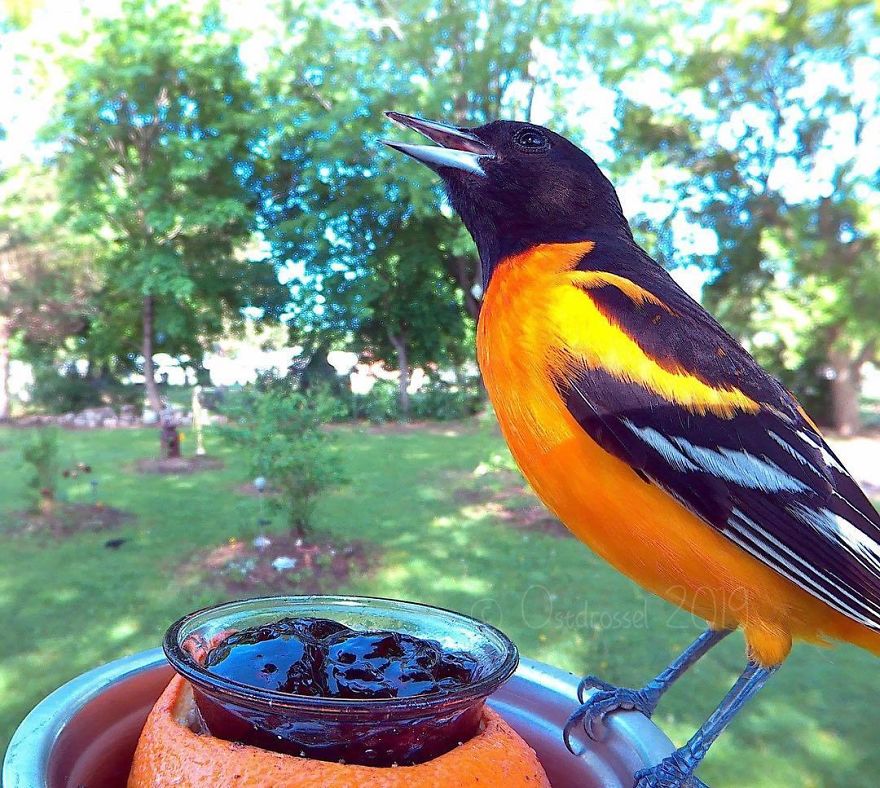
point(281, 434)
point(379, 404)
point(41, 453)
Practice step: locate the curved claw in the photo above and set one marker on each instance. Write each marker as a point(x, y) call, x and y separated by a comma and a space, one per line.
point(570, 724)
point(592, 712)
point(592, 682)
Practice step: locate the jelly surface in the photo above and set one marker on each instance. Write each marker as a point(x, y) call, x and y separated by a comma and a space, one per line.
point(322, 659)
point(319, 657)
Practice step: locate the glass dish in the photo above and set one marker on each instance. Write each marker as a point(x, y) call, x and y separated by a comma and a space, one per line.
point(375, 732)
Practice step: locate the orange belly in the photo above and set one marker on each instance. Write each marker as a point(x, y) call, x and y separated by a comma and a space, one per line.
point(635, 526)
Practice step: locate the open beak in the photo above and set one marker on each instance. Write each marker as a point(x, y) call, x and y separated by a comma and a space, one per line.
point(458, 149)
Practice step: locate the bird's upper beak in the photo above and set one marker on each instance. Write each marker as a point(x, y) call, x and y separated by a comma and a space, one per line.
point(459, 148)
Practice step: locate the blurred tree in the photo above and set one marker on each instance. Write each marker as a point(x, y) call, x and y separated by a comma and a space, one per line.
point(45, 279)
point(368, 252)
point(410, 308)
point(17, 13)
point(156, 134)
point(760, 124)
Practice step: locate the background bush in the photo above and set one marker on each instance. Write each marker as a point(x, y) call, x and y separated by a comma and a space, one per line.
point(446, 401)
point(41, 453)
point(379, 404)
point(436, 400)
point(281, 438)
point(65, 390)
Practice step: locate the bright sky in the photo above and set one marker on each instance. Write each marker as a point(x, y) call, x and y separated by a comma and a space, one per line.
point(24, 110)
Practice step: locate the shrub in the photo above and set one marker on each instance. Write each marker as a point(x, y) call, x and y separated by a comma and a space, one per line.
point(65, 390)
point(119, 396)
point(334, 405)
point(41, 453)
point(446, 401)
point(379, 404)
point(61, 392)
point(282, 437)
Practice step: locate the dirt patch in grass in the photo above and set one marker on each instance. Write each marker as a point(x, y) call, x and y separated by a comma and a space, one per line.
point(70, 519)
point(503, 496)
point(286, 564)
point(533, 518)
point(178, 465)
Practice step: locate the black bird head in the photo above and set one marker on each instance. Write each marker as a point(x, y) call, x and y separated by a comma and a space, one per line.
point(516, 185)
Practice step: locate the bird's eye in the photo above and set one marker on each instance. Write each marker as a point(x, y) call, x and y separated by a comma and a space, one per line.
point(531, 140)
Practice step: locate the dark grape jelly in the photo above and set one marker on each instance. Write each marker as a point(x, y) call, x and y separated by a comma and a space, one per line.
point(360, 680)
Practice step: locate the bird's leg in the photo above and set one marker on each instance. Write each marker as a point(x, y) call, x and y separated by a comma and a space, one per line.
point(608, 698)
point(678, 768)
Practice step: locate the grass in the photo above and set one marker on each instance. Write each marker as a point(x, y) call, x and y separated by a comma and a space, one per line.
point(69, 605)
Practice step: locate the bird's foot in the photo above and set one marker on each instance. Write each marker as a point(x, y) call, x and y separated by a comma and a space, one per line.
point(606, 699)
point(676, 771)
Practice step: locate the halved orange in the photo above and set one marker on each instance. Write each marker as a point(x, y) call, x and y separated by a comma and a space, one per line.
point(170, 753)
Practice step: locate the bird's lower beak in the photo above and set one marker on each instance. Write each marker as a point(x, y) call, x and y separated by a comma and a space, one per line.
point(458, 149)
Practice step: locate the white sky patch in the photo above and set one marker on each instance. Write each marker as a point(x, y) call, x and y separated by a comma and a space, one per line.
point(691, 278)
point(651, 88)
point(292, 271)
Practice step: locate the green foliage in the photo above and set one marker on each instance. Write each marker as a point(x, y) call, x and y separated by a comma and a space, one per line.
point(41, 453)
point(46, 279)
point(447, 401)
point(282, 435)
point(380, 404)
point(335, 403)
point(156, 134)
point(436, 400)
point(64, 390)
point(58, 391)
point(382, 265)
point(223, 399)
point(16, 14)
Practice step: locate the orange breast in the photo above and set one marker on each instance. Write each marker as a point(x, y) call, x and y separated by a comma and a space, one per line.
point(530, 313)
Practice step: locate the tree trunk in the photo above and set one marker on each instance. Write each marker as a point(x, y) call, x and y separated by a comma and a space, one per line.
point(845, 387)
point(47, 503)
point(4, 368)
point(399, 343)
point(149, 370)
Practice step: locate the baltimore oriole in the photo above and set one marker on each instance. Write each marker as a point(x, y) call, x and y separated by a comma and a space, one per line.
point(646, 428)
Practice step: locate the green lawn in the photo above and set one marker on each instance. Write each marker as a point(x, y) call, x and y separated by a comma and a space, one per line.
point(69, 605)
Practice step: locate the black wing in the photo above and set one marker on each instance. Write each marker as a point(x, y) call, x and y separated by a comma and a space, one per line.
point(766, 480)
